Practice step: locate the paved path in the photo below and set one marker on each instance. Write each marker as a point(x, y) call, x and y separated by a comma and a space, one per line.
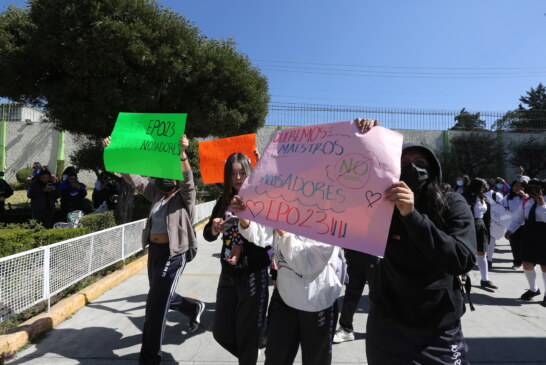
point(502, 330)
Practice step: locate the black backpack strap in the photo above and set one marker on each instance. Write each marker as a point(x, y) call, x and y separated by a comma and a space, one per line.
point(467, 286)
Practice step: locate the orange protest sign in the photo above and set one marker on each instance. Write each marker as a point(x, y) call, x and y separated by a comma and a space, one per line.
point(213, 155)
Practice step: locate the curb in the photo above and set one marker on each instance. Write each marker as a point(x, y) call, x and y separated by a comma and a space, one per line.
point(20, 336)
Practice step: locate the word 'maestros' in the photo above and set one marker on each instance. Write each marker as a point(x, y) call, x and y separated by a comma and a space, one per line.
point(306, 140)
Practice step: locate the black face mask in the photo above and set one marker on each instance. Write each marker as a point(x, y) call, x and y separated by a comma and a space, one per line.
point(415, 177)
point(165, 185)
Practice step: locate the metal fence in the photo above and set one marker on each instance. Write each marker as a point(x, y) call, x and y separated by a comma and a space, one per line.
point(34, 276)
point(294, 114)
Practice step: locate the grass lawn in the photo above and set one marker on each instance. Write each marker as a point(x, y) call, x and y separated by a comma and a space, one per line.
point(18, 199)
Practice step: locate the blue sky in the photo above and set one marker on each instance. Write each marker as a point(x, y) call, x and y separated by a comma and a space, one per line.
point(482, 55)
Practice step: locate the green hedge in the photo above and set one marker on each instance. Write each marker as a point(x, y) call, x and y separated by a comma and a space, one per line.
point(23, 174)
point(16, 239)
point(99, 221)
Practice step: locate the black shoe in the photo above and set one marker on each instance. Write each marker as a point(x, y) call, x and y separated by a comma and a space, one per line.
point(196, 319)
point(487, 284)
point(529, 294)
point(543, 302)
point(489, 265)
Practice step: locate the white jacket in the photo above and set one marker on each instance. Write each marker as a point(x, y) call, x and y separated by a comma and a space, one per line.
point(306, 278)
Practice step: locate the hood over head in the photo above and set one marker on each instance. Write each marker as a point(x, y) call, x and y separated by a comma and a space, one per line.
point(435, 167)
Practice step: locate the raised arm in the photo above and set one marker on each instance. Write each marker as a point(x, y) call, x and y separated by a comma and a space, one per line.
point(186, 187)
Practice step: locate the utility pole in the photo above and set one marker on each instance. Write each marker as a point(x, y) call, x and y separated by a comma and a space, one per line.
point(3, 132)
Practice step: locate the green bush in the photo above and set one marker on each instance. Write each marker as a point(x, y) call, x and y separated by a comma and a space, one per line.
point(15, 239)
point(23, 174)
point(99, 221)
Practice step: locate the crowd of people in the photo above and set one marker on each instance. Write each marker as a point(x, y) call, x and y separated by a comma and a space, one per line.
point(436, 237)
point(523, 198)
point(46, 191)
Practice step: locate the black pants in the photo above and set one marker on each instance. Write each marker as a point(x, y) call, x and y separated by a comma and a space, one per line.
point(389, 342)
point(163, 274)
point(290, 327)
point(515, 245)
point(241, 307)
point(360, 267)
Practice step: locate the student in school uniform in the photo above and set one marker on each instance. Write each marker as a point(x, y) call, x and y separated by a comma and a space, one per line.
point(531, 216)
point(481, 210)
point(512, 202)
point(493, 198)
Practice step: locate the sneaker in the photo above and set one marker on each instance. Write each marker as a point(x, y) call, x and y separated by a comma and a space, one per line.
point(516, 267)
point(543, 303)
point(196, 319)
point(487, 284)
point(489, 265)
point(342, 336)
point(529, 294)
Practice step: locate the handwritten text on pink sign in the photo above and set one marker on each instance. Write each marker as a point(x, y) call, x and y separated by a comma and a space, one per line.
point(326, 182)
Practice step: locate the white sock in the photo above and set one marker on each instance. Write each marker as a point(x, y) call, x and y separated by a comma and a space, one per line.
point(544, 280)
point(491, 249)
point(482, 265)
point(531, 276)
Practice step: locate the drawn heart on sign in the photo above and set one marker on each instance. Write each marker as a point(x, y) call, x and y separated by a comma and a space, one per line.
point(255, 207)
point(372, 197)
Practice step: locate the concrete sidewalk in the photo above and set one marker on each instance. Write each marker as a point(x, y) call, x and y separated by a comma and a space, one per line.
point(502, 330)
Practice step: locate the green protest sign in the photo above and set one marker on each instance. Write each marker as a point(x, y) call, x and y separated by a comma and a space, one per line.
point(146, 144)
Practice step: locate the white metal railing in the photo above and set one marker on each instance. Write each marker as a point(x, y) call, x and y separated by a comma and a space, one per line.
point(34, 276)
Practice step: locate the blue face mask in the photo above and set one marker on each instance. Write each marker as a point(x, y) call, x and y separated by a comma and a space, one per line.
point(500, 186)
point(459, 183)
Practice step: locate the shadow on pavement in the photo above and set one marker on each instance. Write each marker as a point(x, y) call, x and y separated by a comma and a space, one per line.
point(94, 345)
point(509, 350)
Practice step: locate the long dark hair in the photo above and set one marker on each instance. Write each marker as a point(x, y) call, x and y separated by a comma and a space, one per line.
point(512, 193)
point(431, 200)
point(229, 192)
point(475, 190)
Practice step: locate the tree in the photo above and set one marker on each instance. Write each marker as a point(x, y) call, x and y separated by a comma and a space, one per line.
point(467, 121)
point(531, 155)
point(475, 154)
point(532, 117)
point(508, 121)
point(84, 61)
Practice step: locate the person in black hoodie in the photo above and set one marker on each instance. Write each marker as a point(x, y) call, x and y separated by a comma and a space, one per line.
point(416, 296)
point(242, 295)
point(72, 194)
point(42, 194)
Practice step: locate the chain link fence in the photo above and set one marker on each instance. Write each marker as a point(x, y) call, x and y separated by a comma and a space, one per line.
point(34, 276)
point(294, 114)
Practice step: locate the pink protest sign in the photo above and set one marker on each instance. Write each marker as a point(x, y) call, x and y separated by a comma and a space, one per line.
point(327, 182)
